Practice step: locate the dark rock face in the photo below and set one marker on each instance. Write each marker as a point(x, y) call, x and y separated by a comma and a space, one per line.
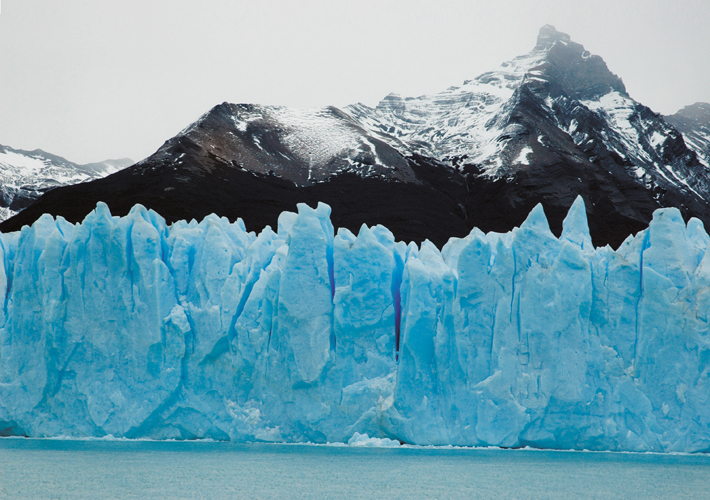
point(543, 128)
point(581, 74)
point(201, 185)
point(444, 203)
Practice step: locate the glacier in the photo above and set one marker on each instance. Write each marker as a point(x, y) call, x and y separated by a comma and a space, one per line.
point(129, 327)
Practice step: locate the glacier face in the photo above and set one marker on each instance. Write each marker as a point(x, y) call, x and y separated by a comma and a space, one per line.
point(129, 327)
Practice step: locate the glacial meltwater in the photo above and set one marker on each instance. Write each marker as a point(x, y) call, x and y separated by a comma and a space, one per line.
point(35, 469)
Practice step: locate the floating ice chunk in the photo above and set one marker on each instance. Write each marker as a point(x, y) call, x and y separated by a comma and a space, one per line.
point(365, 441)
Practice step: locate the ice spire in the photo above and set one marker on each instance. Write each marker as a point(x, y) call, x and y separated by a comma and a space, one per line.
point(575, 228)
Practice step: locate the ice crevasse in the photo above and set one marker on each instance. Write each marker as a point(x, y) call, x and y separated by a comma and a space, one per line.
point(128, 327)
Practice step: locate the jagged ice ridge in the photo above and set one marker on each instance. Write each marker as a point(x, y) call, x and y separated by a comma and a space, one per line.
point(128, 327)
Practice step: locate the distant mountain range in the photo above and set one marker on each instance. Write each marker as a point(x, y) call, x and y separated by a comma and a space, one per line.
point(26, 175)
point(543, 128)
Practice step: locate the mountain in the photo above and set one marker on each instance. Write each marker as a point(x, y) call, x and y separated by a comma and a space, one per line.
point(255, 162)
point(694, 123)
point(26, 175)
point(543, 128)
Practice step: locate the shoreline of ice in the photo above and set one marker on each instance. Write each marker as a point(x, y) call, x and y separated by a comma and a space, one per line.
point(402, 446)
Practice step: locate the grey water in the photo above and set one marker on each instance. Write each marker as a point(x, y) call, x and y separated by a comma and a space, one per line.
point(37, 469)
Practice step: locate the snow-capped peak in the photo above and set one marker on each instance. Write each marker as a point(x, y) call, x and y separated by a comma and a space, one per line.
point(501, 120)
point(469, 121)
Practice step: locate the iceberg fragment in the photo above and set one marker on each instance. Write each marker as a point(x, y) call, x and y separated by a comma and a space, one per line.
point(130, 327)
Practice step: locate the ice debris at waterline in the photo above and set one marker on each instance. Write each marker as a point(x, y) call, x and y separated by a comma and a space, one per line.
point(124, 326)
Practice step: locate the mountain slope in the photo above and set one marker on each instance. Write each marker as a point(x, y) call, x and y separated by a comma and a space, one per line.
point(694, 123)
point(543, 128)
point(26, 175)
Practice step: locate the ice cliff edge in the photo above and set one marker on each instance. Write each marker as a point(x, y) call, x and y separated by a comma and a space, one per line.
point(129, 327)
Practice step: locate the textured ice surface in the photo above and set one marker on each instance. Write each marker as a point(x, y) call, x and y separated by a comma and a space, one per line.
point(131, 328)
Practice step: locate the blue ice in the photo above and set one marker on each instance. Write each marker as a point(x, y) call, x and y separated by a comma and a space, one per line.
point(130, 327)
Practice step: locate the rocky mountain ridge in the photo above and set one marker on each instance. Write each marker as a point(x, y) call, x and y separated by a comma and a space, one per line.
point(543, 128)
point(694, 123)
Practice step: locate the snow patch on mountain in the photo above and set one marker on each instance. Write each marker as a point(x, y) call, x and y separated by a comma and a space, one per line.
point(694, 123)
point(316, 135)
point(618, 112)
point(524, 156)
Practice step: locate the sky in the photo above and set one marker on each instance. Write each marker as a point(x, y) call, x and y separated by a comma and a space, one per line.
point(96, 79)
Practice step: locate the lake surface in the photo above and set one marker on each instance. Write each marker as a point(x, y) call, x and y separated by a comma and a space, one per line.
point(34, 469)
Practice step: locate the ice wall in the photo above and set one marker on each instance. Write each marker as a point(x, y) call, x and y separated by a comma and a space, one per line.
point(126, 326)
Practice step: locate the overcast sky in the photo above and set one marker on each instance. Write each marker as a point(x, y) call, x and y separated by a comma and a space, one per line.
point(97, 79)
